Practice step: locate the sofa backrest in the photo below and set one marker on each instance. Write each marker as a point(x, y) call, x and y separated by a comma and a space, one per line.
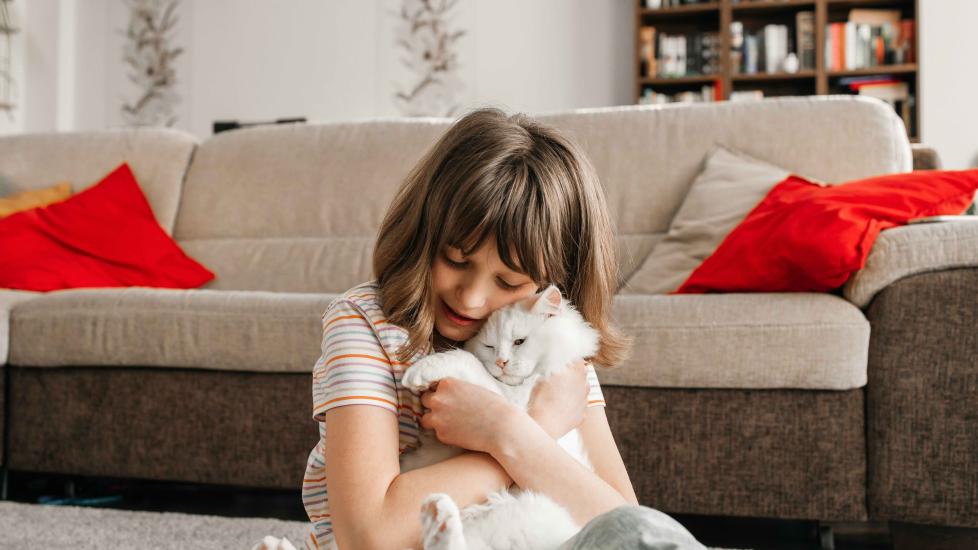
point(297, 207)
point(158, 158)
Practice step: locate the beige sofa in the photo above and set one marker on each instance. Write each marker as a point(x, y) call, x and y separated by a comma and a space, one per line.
point(737, 404)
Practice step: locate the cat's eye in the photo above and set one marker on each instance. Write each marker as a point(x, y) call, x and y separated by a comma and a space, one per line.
point(518, 342)
point(488, 346)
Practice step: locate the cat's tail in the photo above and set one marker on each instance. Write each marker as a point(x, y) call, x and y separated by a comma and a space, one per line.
point(441, 524)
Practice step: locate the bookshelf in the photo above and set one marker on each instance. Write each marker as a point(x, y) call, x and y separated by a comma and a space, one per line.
point(870, 65)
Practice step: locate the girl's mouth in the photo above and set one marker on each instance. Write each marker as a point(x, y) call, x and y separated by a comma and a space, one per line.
point(459, 320)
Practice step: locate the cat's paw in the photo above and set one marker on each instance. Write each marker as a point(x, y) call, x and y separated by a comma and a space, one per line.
point(417, 379)
point(273, 543)
point(441, 526)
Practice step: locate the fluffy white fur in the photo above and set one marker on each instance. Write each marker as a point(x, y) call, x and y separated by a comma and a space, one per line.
point(532, 339)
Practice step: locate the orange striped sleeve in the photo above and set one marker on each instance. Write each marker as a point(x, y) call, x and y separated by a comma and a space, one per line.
point(353, 368)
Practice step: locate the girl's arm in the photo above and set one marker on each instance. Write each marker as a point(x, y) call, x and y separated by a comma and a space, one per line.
point(373, 505)
point(536, 462)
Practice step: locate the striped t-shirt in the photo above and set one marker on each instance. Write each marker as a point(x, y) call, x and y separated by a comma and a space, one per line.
point(359, 366)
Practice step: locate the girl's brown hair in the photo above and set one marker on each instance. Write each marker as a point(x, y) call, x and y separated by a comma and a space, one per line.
point(525, 184)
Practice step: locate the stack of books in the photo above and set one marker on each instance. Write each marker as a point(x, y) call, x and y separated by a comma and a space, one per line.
point(676, 55)
point(659, 4)
point(886, 88)
point(705, 94)
point(870, 38)
point(768, 50)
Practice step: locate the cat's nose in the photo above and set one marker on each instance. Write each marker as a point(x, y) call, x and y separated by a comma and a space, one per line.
point(501, 363)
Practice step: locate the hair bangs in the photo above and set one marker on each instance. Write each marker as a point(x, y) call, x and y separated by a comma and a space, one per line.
point(509, 206)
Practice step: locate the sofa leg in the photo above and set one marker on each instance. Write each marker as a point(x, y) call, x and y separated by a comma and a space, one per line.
point(3, 482)
point(826, 538)
point(932, 537)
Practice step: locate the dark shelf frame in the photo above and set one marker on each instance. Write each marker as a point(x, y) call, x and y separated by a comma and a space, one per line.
point(725, 12)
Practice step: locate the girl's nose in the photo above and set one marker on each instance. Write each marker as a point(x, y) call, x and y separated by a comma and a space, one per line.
point(471, 297)
point(501, 363)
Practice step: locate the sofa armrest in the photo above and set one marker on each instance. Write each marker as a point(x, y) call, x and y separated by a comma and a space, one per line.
point(911, 249)
point(925, 158)
point(922, 401)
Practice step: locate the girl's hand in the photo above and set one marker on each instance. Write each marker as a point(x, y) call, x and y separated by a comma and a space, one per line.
point(559, 402)
point(466, 415)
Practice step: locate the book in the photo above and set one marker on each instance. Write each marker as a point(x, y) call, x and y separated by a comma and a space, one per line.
point(805, 39)
point(907, 41)
point(649, 67)
point(746, 95)
point(775, 47)
point(857, 45)
point(751, 54)
point(736, 46)
point(706, 94)
point(897, 94)
point(875, 17)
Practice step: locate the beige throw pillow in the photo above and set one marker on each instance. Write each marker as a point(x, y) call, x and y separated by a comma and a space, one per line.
point(729, 187)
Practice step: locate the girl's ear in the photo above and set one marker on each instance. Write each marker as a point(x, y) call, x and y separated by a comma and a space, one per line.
point(549, 301)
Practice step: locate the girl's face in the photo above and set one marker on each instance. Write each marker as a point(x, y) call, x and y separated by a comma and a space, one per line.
point(469, 288)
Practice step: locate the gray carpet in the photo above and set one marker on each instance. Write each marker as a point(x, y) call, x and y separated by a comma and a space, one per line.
point(29, 526)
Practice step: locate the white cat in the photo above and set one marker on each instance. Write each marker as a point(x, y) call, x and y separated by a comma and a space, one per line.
point(518, 346)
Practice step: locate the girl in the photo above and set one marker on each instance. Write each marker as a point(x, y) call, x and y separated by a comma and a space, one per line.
point(497, 209)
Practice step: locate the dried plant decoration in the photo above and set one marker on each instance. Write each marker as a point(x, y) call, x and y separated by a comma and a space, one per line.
point(149, 54)
point(429, 52)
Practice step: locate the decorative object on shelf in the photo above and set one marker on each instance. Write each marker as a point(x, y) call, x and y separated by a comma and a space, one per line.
point(429, 47)
point(149, 52)
point(7, 83)
point(790, 64)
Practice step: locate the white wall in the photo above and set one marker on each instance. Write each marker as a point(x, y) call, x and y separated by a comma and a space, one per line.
point(326, 60)
point(333, 60)
point(949, 80)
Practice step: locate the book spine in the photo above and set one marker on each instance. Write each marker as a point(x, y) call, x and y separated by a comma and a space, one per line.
point(805, 39)
point(907, 38)
point(736, 46)
point(647, 51)
point(681, 47)
point(850, 46)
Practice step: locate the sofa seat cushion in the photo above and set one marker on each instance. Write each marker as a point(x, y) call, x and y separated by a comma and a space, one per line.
point(8, 299)
point(793, 340)
point(745, 341)
point(224, 330)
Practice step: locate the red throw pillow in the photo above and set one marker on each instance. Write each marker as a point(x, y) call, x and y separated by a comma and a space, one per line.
point(806, 236)
point(104, 236)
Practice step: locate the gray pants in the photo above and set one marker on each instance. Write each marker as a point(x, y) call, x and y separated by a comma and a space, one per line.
point(632, 527)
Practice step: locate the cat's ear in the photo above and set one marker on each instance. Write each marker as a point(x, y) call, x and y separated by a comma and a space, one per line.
point(548, 302)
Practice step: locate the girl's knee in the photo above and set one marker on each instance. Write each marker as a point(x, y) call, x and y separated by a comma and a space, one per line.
point(651, 528)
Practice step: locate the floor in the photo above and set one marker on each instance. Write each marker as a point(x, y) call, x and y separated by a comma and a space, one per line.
point(757, 533)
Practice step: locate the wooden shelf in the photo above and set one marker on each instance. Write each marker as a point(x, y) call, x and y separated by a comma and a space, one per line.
point(880, 69)
point(772, 5)
point(718, 15)
point(868, 3)
point(673, 80)
point(800, 75)
point(683, 10)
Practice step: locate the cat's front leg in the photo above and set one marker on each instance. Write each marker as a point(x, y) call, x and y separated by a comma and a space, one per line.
point(441, 524)
point(456, 363)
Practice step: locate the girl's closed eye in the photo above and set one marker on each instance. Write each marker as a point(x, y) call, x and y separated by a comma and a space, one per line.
point(461, 264)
